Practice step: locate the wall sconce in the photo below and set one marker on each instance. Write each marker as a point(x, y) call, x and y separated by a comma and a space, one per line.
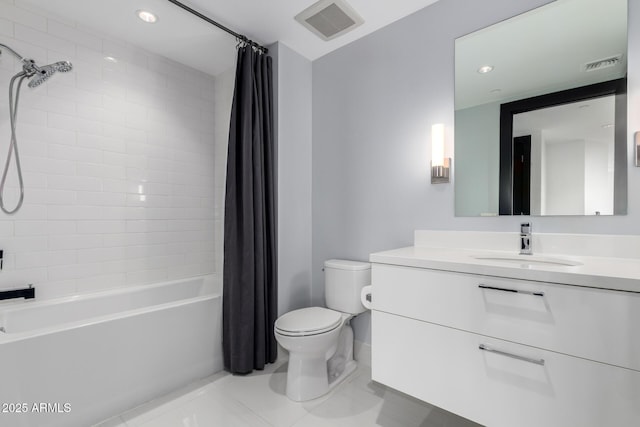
point(440, 165)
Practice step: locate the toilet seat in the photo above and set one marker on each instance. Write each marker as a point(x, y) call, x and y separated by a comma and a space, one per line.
point(308, 321)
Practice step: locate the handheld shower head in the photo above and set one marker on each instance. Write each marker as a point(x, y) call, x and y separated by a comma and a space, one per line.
point(42, 74)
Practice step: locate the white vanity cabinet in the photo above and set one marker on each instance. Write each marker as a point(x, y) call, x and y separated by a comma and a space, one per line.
point(506, 352)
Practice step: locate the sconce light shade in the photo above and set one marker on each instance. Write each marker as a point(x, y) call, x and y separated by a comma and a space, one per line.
point(440, 165)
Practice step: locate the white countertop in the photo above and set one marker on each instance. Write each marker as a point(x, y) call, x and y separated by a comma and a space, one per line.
point(596, 272)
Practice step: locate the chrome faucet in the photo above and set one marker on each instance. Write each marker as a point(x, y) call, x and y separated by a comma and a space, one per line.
point(525, 239)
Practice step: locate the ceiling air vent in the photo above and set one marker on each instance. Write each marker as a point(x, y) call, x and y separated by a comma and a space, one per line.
point(603, 63)
point(329, 19)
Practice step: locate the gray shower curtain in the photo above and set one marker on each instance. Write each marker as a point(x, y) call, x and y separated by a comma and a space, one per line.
point(249, 284)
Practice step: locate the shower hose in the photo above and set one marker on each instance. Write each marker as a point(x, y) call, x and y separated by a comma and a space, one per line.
point(13, 146)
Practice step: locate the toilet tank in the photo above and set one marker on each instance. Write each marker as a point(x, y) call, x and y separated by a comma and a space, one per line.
point(343, 282)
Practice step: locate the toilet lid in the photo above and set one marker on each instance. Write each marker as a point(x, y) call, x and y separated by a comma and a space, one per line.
point(308, 321)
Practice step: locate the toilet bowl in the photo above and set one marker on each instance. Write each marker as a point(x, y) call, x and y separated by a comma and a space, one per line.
point(314, 341)
point(320, 340)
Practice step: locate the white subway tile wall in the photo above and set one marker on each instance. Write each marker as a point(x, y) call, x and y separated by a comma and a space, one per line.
point(123, 163)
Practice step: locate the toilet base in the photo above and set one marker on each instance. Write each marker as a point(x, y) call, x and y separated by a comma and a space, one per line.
point(309, 385)
point(306, 377)
point(311, 377)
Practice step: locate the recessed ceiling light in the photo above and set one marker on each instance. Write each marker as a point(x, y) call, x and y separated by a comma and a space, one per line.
point(607, 126)
point(485, 69)
point(146, 16)
point(110, 59)
point(583, 106)
point(495, 91)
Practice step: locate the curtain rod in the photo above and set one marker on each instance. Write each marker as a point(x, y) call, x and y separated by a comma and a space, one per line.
point(238, 36)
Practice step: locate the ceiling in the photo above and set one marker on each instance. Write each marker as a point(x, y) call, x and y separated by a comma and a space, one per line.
point(185, 38)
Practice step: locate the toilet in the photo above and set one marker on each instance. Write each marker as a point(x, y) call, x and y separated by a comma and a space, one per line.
point(320, 340)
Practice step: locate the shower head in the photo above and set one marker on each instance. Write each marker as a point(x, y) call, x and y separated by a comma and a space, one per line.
point(41, 74)
point(63, 66)
point(38, 75)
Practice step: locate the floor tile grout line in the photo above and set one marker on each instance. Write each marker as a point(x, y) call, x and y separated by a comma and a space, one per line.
point(177, 395)
point(276, 425)
point(251, 411)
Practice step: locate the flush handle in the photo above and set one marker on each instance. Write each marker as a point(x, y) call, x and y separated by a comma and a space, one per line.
point(365, 297)
point(515, 291)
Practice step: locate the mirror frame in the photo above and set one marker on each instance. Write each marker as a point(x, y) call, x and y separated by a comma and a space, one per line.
point(616, 87)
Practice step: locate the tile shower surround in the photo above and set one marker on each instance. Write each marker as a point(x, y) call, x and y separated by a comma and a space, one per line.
point(123, 162)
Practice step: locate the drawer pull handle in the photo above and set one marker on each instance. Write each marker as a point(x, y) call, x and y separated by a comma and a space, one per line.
point(515, 291)
point(513, 356)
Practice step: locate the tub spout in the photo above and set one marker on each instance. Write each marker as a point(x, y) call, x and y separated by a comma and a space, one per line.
point(26, 293)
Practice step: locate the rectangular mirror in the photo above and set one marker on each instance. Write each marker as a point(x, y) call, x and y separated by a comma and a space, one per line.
point(548, 89)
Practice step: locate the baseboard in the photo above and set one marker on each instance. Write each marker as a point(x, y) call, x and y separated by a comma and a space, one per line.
point(362, 352)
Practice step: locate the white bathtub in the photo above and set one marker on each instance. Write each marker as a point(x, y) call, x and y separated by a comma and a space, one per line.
point(78, 360)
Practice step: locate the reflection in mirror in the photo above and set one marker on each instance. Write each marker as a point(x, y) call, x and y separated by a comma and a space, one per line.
point(566, 44)
point(572, 144)
point(564, 153)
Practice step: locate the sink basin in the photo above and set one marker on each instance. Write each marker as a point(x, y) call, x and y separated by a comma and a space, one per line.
point(529, 260)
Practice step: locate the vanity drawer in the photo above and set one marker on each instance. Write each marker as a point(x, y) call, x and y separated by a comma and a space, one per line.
point(595, 324)
point(446, 368)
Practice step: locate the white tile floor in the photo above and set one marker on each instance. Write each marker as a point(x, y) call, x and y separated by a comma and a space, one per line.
point(258, 400)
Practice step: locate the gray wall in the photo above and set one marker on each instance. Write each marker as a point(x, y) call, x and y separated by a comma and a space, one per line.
point(293, 126)
point(374, 102)
point(477, 157)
